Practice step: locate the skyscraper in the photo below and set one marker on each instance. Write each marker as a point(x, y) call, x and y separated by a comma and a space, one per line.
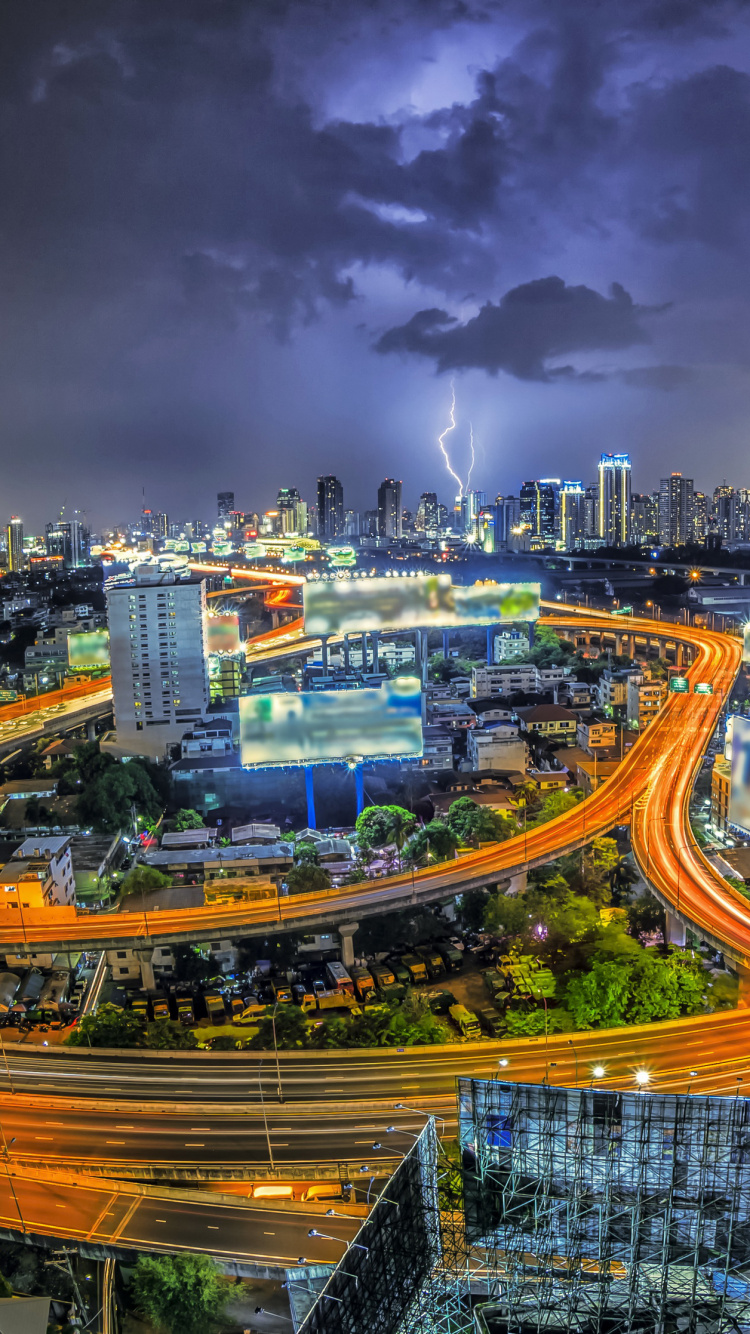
point(67, 539)
point(157, 634)
point(538, 509)
point(675, 510)
point(14, 534)
point(614, 499)
point(330, 508)
point(725, 511)
point(389, 509)
point(428, 513)
point(472, 502)
point(225, 504)
point(572, 513)
point(700, 516)
point(644, 517)
point(292, 511)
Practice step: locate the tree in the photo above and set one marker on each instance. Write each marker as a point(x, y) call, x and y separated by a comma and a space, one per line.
point(143, 880)
point(186, 818)
point(600, 998)
point(400, 827)
point(110, 1026)
point(646, 917)
point(471, 907)
point(556, 803)
point(507, 915)
point(434, 842)
point(590, 872)
point(111, 788)
point(306, 853)
point(167, 1035)
point(525, 1023)
point(474, 824)
point(182, 1292)
point(291, 1028)
point(307, 879)
point(372, 828)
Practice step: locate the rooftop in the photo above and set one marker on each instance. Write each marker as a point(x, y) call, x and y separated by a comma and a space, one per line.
point(47, 846)
point(547, 713)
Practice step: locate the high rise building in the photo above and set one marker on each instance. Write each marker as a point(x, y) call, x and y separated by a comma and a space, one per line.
point(225, 504)
point(700, 516)
point(675, 510)
point(292, 511)
point(644, 517)
point(14, 535)
point(725, 512)
point(472, 502)
point(330, 508)
point(572, 513)
point(158, 651)
point(743, 514)
point(428, 513)
point(538, 506)
point(68, 540)
point(614, 499)
point(390, 523)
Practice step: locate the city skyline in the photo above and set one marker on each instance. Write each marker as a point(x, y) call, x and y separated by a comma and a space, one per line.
point(545, 204)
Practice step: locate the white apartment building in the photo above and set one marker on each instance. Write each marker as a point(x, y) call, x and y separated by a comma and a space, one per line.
point(158, 650)
point(510, 644)
point(493, 680)
point(499, 748)
point(54, 851)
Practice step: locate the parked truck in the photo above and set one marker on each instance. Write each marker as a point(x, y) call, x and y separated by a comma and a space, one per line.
point(364, 983)
point(336, 1000)
point(160, 1006)
point(433, 961)
point(185, 1012)
point(382, 975)
point(415, 967)
point(215, 1007)
point(466, 1022)
point(452, 958)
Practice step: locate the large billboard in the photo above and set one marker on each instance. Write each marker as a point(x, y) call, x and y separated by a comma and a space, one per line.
point(739, 796)
point(430, 601)
point(88, 650)
point(746, 642)
point(316, 727)
point(223, 634)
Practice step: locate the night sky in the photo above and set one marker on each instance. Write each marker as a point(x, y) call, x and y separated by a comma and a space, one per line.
point(245, 242)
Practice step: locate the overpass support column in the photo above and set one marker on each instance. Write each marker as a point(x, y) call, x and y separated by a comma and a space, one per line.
point(310, 794)
point(274, 618)
point(91, 729)
point(680, 656)
point(743, 973)
point(518, 883)
point(675, 929)
point(364, 650)
point(145, 961)
point(346, 933)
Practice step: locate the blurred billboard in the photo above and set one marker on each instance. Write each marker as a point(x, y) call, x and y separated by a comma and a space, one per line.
point(739, 794)
point(746, 642)
point(430, 601)
point(223, 634)
point(316, 727)
point(88, 650)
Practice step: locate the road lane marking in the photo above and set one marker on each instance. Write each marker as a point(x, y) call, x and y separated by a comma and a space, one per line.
point(213, 1227)
point(114, 1141)
point(48, 1137)
point(265, 1234)
point(160, 1220)
point(193, 1145)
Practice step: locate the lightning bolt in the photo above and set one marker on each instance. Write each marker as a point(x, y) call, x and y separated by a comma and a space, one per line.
point(441, 441)
point(471, 446)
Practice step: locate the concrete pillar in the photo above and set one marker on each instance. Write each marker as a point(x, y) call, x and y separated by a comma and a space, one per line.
point(359, 780)
point(518, 883)
point(347, 660)
point(310, 794)
point(425, 659)
point(680, 656)
point(274, 618)
point(446, 643)
point(375, 638)
point(91, 729)
point(364, 650)
point(145, 958)
point(675, 929)
point(743, 973)
point(418, 653)
point(490, 645)
point(324, 652)
point(346, 932)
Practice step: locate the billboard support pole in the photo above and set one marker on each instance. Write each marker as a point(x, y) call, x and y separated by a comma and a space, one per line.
point(324, 657)
point(446, 643)
point(490, 645)
point(359, 780)
point(310, 794)
point(347, 663)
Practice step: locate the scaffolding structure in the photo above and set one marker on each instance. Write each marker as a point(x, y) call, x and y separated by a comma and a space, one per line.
point(397, 1275)
point(605, 1212)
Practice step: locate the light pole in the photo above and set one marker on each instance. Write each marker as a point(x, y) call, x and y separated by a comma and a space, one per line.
point(5, 1058)
point(265, 1118)
point(6, 1151)
point(279, 1089)
point(575, 1053)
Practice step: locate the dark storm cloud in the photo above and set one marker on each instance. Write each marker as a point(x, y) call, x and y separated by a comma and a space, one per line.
point(531, 325)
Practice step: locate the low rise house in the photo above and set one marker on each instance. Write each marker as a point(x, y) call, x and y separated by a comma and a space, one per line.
point(593, 733)
point(500, 748)
point(550, 721)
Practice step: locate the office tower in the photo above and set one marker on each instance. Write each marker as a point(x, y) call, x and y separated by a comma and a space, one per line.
point(158, 651)
point(428, 513)
point(675, 510)
point(743, 514)
point(644, 517)
point(292, 511)
point(353, 525)
point(614, 499)
point(471, 504)
point(330, 508)
point(443, 518)
point(68, 541)
point(538, 509)
point(700, 516)
point(14, 536)
point(571, 513)
point(725, 512)
point(390, 525)
point(225, 504)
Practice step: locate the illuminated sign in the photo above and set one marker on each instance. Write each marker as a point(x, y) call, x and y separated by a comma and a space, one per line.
point(739, 795)
point(342, 557)
point(223, 548)
point(679, 685)
point(89, 650)
point(223, 634)
point(200, 547)
point(316, 727)
point(182, 546)
point(411, 604)
point(703, 688)
point(254, 550)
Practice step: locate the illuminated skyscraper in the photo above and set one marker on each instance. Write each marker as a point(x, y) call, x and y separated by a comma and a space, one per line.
point(614, 499)
point(14, 533)
point(725, 511)
point(572, 516)
point(428, 513)
point(675, 510)
point(389, 509)
point(330, 508)
point(225, 504)
point(538, 508)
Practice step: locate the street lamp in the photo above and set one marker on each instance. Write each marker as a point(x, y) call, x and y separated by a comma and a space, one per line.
point(597, 1072)
point(325, 1236)
point(642, 1078)
point(429, 1116)
point(263, 1310)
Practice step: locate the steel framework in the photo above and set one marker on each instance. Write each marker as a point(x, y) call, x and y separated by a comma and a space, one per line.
point(596, 1211)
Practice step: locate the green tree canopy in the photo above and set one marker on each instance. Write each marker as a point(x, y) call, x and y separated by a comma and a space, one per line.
point(143, 879)
point(638, 989)
point(186, 818)
point(291, 1028)
point(474, 824)
point(183, 1293)
point(507, 915)
point(378, 826)
point(111, 788)
point(590, 873)
point(110, 1026)
point(434, 842)
point(167, 1035)
point(554, 804)
point(306, 853)
point(307, 879)
point(646, 916)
